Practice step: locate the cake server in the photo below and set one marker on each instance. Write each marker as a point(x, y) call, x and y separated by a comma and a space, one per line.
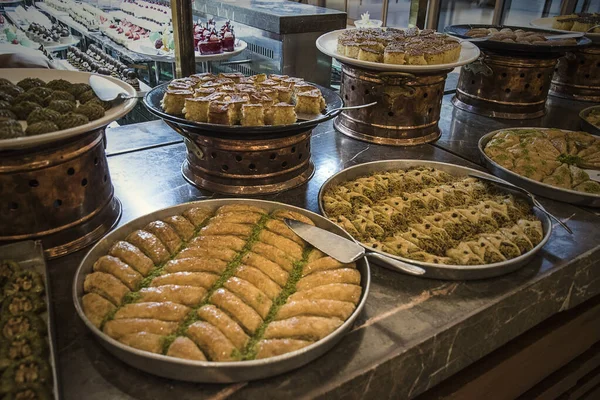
point(344, 250)
point(109, 91)
point(536, 203)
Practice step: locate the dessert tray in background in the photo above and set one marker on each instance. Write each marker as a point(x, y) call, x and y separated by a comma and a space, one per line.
point(562, 24)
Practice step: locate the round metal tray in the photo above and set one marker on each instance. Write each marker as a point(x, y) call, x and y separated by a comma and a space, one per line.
point(531, 50)
point(204, 371)
point(327, 44)
point(585, 124)
point(16, 74)
point(440, 271)
point(154, 96)
point(539, 188)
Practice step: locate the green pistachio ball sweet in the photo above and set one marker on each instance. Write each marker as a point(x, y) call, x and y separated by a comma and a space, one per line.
point(107, 105)
point(7, 114)
point(77, 89)
point(91, 110)
point(86, 96)
point(59, 84)
point(27, 96)
point(42, 114)
point(59, 95)
point(40, 128)
point(4, 105)
point(11, 129)
point(40, 91)
point(12, 90)
point(71, 120)
point(24, 108)
point(4, 82)
point(29, 83)
point(62, 106)
point(6, 97)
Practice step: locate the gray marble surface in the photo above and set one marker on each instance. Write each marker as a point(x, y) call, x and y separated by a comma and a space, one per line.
point(276, 16)
point(412, 334)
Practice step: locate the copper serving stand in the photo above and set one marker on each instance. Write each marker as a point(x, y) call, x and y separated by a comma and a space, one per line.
point(407, 111)
point(500, 85)
point(60, 193)
point(577, 75)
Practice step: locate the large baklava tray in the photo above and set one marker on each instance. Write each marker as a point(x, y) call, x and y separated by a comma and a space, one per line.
point(232, 283)
point(428, 215)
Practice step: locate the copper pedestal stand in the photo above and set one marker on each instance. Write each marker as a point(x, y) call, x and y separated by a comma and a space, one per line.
point(247, 166)
point(505, 86)
point(577, 75)
point(407, 111)
point(59, 193)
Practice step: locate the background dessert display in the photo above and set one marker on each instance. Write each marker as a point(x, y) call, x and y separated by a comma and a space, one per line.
point(524, 36)
point(583, 22)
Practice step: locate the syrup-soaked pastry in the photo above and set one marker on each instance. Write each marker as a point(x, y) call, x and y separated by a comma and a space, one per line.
point(321, 264)
point(183, 347)
point(199, 252)
point(122, 271)
point(165, 234)
point(250, 294)
point(226, 241)
point(303, 328)
point(234, 306)
point(292, 249)
point(341, 275)
point(274, 254)
point(225, 324)
point(197, 215)
point(269, 268)
point(107, 286)
point(320, 308)
point(196, 264)
point(236, 218)
point(118, 328)
point(164, 311)
point(143, 341)
point(96, 308)
point(149, 245)
point(275, 347)
point(227, 228)
point(182, 226)
point(279, 227)
point(39, 128)
point(334, 291)
point(132, 256)
point(259, 279)
point(238, 207)
point(182, 294)
point(281, 214)
point(212, 342)
point(198, 279)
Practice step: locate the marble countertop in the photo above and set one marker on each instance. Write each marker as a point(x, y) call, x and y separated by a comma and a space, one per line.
point(412, 334)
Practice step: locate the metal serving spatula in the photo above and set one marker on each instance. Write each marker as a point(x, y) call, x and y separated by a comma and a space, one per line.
point(594, 174)
point(109, 91)
point(344, 250)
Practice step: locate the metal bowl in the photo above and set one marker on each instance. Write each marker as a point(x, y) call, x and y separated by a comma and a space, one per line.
point(461, 30)
point(535, 187)
point(153, 98)
point(585, 124)
point(440, 271)
point(204, 371)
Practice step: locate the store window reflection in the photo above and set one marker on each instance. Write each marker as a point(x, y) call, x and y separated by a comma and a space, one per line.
point(358, 7)
point(398, 13)
point(520, 13)
point(454, 12)
point(587, 6)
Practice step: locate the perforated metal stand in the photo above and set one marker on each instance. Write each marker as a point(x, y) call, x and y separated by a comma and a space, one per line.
point(577, 75)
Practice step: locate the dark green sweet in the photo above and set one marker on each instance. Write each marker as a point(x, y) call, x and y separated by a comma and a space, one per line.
point(4, 105)
point(29, 83)
point(40, 91)
point(21, 347)
point(24, 282)
point(62, 106)
point(71, 120)
point(22, 303)
point(30, 391)
point(30, 370)
point(24, 108)
point(87, 96)
point(91, 110)
point(11, 129)
point(6, 97)
point(39, 128)
point(12, 90)
point(8, 269)
point(107, 105)
point(6, 114)
point(59, 84)
point(77, 89)
point(42, 114)
point(4, 82)
point(28, 96)
point(12, 326)
point(59, 95)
